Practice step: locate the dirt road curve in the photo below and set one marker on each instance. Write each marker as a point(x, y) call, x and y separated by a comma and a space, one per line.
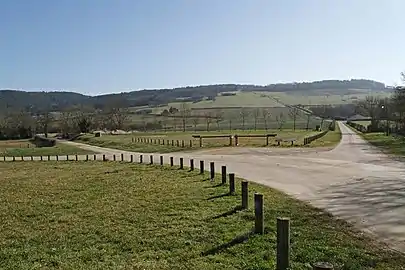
point(353, 181)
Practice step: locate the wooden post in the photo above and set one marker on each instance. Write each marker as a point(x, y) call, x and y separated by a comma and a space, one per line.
point(22, 158)
point(171, 161)
point(181, 163)
point(230, 140)
point(191, 144)
point(87, 157)
point(200, 141)
point(76, 158)
point(212, 170)
point(161, 160)
point(122, 157)
point(177, 143)
point(163, 140)
point(267, 140)
point(231, 183)
point(132, 158)
point(67, 157)
point(132, 139)
point(49, 157)
point(104, 159)
point(182, 143)
point(4, 158)
point(13, 158)
point(245, 195)
point(32, 158)
point(57, 158)
point(41, 158)
point(95, 157)
point(172, 142)
point(236, 140)
point(283, 243)
point(114, 157)
point(191, 164)
point(259, 217)
point(223, 174)
point(159, 141)
point(322, 266)
point(151, 159)
point(141, 159)
point(201, 166)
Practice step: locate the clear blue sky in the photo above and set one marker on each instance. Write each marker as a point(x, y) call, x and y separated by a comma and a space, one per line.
point(100, 46)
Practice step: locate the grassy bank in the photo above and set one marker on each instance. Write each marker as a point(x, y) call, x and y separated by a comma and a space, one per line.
point(124, 142)
point(394, 145)
point(25, 148)
point(331, 139)
point(93, 215)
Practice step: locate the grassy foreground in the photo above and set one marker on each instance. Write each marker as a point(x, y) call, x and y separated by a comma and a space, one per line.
point(25, 148)
point(124, 142)
point(93, 215)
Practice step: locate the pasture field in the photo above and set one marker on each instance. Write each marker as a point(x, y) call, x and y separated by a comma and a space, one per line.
point(116, 215)
point(25, 148)
point(125, 142)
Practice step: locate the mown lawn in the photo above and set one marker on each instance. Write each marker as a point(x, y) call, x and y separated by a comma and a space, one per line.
point(116, 215)
point(390, 144)
point(125, 142)
point(25, 148)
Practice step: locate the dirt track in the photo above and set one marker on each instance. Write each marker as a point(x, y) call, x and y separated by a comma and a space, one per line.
point(353, 181)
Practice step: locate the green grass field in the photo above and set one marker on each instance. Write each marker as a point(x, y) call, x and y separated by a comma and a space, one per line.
point(394, 145)
point(25, 148)
point(124, 142)
point(93, 215)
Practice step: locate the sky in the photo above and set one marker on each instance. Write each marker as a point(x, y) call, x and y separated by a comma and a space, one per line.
point(102, 46)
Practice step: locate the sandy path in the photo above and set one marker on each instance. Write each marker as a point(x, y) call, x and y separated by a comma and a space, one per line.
point(353, 181)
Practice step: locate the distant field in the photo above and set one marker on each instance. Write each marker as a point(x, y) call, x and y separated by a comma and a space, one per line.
point(124, 142)
point(25, 148)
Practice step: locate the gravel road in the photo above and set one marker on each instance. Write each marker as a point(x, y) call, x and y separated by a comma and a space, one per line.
point(353, 181)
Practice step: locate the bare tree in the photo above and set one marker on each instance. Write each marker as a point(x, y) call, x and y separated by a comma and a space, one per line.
point(208, 119)
point(293, 113)
point(256, 113)
point(195, 121)
point(184, 114)
point(280, 120)
point(44, 121)
point(266, 116)
point(244, 113)
point(219, 116)
point(308, 119)
point(371, 106)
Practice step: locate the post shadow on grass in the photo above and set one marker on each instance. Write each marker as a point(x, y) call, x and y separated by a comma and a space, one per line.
point(229, 213)
point(237, 240)
point(218, 196)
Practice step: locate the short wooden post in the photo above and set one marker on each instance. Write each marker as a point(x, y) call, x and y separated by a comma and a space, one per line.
point(95, 157)
point(171, 161)
point(231, 183)
point(172, 142)
point(22, 158)
point(122, 157)
point(200, 141)
point(87, 157)
point(32, 158)
point(49, 157)
point(322, 266)
point(132, 158)
point(104, 159)
point(41, 158)
point(181, 163)
point(154, 141)
point(141, 159)
point(191, 144)
point(259, 217)
point(245, 195)
point(223, 174)
point(212, 170)
point(77, 158)
point(201, 166)
point(114, 157)
point(4, 158)
point(191, 164)
point(151, 159)
point(57, 158)
point(163, 140)
point(283, 243)
point(182, 143)
point(159, 141)
point(177, 143)
point(132, 139)
point(67, 157)
point(267, 140)
point(230, 140)
point(13, 158)
point(161, 160)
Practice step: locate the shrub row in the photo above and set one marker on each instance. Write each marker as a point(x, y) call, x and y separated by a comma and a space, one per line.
point(40, 141)
point(309, 139)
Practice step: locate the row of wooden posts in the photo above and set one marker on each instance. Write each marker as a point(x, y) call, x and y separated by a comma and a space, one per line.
point(283, 224)
point(178, 143)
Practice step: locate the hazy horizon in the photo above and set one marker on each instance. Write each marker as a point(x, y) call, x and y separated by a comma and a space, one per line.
point(121, 46)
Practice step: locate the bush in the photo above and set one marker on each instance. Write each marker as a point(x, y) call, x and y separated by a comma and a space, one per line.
point(43, 142)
